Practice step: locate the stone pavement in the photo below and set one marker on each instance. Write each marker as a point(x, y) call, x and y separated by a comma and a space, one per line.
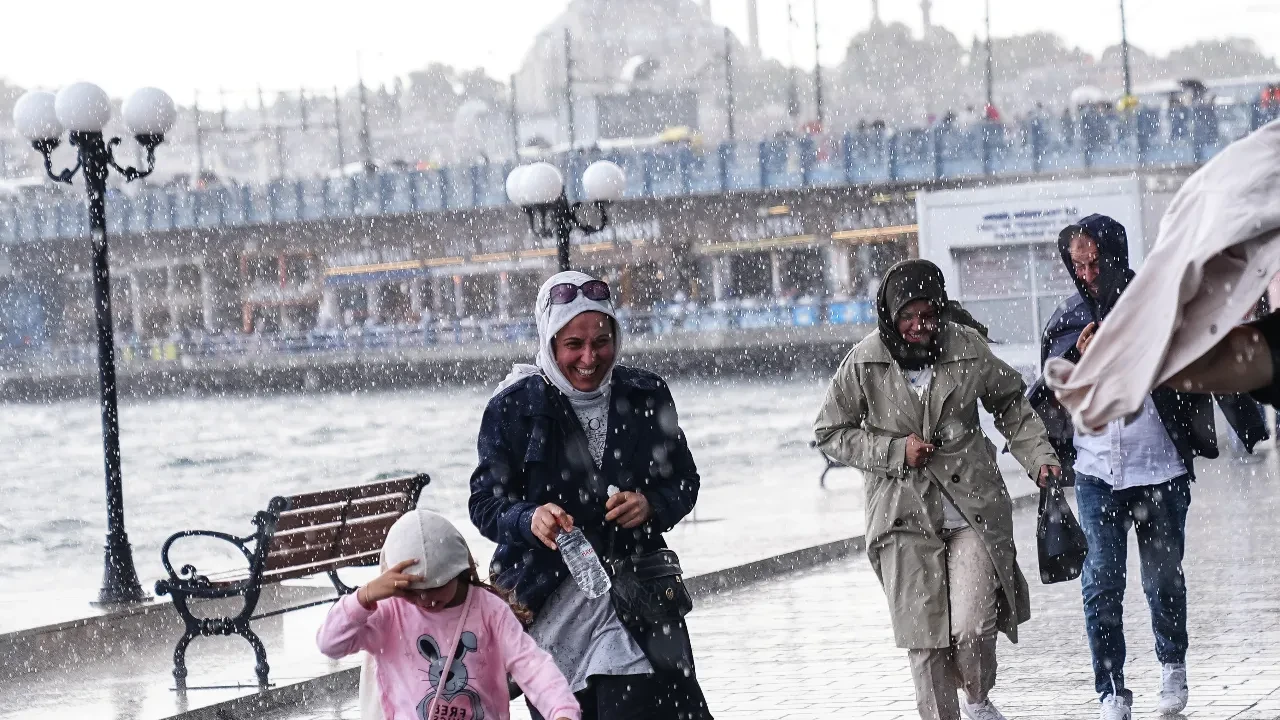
point(818, 645)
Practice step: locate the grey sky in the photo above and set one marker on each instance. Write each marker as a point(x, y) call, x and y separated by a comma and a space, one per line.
point(282, 44)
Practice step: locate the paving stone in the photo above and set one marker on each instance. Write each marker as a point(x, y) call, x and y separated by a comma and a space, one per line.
point(818, 644)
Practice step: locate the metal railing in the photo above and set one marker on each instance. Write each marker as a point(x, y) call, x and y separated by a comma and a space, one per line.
point(1146, 137)
point(663, 321)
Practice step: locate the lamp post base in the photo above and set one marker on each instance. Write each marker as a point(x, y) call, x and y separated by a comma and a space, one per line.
point(119, 578)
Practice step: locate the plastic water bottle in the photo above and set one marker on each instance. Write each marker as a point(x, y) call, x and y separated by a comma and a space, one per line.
point(583, 563)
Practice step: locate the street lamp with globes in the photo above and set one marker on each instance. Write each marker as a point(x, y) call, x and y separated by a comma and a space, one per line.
point(539, 189)
point(84, 109)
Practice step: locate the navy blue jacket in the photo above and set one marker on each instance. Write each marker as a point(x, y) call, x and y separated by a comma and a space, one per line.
point(533, 451)
point(1187, 417)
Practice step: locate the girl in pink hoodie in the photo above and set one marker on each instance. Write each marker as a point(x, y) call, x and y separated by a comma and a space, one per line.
point(444, 641)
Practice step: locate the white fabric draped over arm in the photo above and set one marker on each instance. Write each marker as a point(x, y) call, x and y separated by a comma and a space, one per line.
point(1217, 251)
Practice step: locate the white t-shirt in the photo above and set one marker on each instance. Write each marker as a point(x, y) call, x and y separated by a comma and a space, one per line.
point(594, 417)
point(1134, 455)
point(920, 380)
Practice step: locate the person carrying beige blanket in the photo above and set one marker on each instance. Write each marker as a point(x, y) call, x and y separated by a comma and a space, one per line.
point(1217, 250)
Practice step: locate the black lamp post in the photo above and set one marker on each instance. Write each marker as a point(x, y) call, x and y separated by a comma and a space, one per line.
point(818, 99)
point(84, 109)
point(988, 73)
point(539, 189)
point(1124, 54)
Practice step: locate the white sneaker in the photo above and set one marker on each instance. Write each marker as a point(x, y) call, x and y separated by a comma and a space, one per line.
point(1173, 689)
point(1114, 707)
point(981, 711)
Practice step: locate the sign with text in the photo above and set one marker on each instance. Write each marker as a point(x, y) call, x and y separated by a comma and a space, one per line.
point(1026, 214)
point(893, 214)
point(767, 228)
point(618, 233)
point(369, 256)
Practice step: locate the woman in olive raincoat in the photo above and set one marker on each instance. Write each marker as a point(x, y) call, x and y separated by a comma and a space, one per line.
point(903, 408)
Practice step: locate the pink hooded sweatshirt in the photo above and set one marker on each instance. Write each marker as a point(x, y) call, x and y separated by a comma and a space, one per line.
point(409, 643)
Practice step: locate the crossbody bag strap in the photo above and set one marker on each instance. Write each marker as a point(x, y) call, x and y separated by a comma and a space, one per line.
point(612, 551)
point(453, 648)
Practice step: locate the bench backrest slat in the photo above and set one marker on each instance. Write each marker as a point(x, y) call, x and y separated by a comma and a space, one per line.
point(359, 560)
point(337, 528)
point(402, 486)
point(358, 537)
point(327, 534)
point(334, 512)
point(311, 556)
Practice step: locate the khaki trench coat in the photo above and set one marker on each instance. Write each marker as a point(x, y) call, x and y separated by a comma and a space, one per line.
point(865, 419)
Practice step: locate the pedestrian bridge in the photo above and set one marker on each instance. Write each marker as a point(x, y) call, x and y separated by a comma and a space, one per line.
point(1091, 140)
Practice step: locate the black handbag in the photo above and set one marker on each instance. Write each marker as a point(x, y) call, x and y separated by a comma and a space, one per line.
point(1061, 543)
point(651, 600)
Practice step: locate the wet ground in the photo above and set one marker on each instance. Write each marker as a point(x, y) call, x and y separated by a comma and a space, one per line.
point(813, 644)
point(735, 524)
point(818, 644)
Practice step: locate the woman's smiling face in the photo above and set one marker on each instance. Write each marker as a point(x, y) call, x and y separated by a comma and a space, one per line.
point(917, 322)
point(585, 350)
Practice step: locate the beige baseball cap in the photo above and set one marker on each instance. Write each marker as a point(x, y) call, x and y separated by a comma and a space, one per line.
point(433, 541)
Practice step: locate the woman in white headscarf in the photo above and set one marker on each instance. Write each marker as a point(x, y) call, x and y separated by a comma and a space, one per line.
point(576, 440)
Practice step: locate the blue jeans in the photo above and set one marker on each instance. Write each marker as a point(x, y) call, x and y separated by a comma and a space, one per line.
point(1158, 513)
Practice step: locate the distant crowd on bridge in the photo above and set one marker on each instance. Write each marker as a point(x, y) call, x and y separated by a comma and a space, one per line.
point(951, 145)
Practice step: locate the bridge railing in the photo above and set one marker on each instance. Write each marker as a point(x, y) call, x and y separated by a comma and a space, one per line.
point(663, 321)
point(1147, 137)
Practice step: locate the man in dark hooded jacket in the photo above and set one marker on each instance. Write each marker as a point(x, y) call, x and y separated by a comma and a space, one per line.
point(1137, 473)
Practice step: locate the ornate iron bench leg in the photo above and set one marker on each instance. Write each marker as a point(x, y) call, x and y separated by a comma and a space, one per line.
point(187, 583)
point(259, 653)
point(189, 633)
point(180, 656)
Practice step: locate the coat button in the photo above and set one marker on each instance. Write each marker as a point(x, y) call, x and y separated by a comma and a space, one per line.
point(955, 478)
point(897, 522)
point(977, 518)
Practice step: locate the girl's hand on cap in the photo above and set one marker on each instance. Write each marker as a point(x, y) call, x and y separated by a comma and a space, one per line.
point(392, 583)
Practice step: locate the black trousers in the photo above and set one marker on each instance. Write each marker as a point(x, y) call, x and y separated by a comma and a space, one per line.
point(659, 696)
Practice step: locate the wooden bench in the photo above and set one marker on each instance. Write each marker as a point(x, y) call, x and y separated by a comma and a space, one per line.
point(831, 464)
point(297, 536)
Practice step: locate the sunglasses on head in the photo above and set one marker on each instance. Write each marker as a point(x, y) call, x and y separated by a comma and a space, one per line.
point(565, 293)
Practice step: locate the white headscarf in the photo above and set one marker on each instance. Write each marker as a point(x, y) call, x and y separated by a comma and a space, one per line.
point(551, 319)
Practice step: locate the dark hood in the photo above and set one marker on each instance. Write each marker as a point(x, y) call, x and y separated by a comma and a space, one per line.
point(1113, 259)
point(1188, 418)
point(907, 281)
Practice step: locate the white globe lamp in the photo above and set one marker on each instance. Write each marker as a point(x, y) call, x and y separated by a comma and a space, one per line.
point(542, 184)
point(83, 107)
point(515, 184)
point(603, 181)
point(35, 118)
point(149, 111)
